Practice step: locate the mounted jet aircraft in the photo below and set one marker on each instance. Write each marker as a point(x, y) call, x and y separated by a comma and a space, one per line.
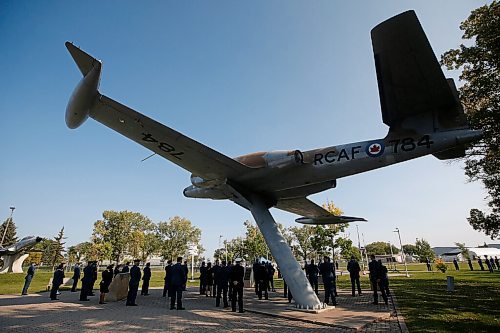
point(419, 105)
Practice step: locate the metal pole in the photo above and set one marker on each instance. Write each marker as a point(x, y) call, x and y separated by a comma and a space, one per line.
point(359, 247)
point(192, 267)
point(7, 224)
point(392, 256)
point(225, 246)
point(402, 252)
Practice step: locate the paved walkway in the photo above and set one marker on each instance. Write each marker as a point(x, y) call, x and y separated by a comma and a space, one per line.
point(36, 313)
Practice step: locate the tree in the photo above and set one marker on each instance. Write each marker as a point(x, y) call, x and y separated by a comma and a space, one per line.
point(409, 249)
point(424, 250)
point(463, 250)
point(379, 248)
point(58, 248)
point(255, 244)
point(119, 232)
point(480, 96)
point(302, 238)
point(175, 235)
point(347, 249)
point(10, 234)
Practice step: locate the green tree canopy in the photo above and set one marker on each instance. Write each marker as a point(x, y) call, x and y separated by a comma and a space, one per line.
point(424, 250)
point(379, 248)
point(480, 96)
point(57, 249)
point(175, 234)
point(410, 249)
point(10, 234)
point(463, 250)
point(254, 243)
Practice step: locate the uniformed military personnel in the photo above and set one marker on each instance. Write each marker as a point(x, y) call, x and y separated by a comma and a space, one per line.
point(255, 271)
point(75, 277)
point(270, 275)
point(470, 264)
point(145, 280)
point(374, 268)
point(166, 284)
point(86, 282)
point(133, 284)
point(312, 272)
point(384, 279)
point(107, 277)
point(57, 280)
point(236, 279)
point(215, 269)
point(27, 279)
point(203, 278)
point(327, 270)
point(178, 279)
point(354, 269)
point(455, 263)
point(262, 279)
point(222, 284)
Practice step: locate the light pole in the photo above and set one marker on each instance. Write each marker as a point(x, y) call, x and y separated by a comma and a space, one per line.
point(359, 247)
point(7, 224)
point(402, 252)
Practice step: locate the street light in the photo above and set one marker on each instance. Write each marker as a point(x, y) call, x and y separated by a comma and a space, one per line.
point(7, 224)
point(402, 252)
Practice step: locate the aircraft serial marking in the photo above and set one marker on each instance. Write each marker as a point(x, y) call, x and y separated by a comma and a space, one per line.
point(408, 144)
point(163, 146)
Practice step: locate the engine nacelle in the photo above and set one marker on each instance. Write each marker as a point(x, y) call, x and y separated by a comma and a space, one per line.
point(272, 159)
point(83, 98)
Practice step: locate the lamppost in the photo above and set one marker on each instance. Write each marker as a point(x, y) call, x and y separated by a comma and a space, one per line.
point(7, 224)
point(402, 252)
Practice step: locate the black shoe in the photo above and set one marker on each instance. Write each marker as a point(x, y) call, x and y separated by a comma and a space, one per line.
point(181, 308)
point(131, 304)
point(242, 311)
point(84, 300)
point(375, 303)
point(102, 303)
point(172, 308)
point(24, 294)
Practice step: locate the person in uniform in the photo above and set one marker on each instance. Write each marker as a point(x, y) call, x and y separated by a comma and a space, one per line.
point(480, 263)
point(236, 279)
point(327, 270)
point(354, 269)
point(255, 271)
point(270, 275)
point(203, 279)
point(470, 264)
point(263, 280)
point(94, 277)
point(133, 284)
point(488, 264)
point(177, 281)
point(107, 277)
point(222, 284)
point(57, 280)
point(455, 263)
point(497, 262)
point(210, 280)
point(145, 280)
point(166, 284)
point(428, 263)
point(27, 279)
point(76, 276)
point(374, 268)
point(312, 272)
point(384, 279)
point(215, 269)
point(86, 282)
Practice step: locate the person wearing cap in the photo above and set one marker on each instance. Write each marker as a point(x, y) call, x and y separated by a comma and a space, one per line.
point(178, 280)
point(28, 278)
point(354, 269)
point(86, 282)
point(327, 270)
point(133, 284)
point(222, 279)
point(107, 277)
point(236, 279)
point(76, 276)
point(57, 280)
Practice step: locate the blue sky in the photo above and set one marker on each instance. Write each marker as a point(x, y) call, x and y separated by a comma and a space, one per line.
point(239, 77)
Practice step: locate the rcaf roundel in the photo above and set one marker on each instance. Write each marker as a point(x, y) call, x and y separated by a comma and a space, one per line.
point(375, 149)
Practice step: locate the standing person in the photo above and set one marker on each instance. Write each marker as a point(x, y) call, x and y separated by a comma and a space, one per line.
point(166, 284)
point(215, 269)
point(203, 279)
point(145, 280)
point(312, 272)
point(384, 279)
point(222, 284)
point(255, 271)
point(210, 280)
point(57, 280)
point(27, 279)
point(177, 281)
point(236, 279)
point(327, 270)
point(470, 264)
point(263, 280)
point(497, 262)
point(488, 264)
point(117, 270)
point(428, 263)
point(107, 277)
point(94, 277)
point(270, 275)
point(480, 262)
point(133, 284)
point(373, 266)
point(86, 282)
point(76, 276)
point(455, 263)
point(492, 263)
point(354, 269)
point(126, 268)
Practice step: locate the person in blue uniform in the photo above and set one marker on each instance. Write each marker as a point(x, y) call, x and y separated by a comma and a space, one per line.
point(145, 280)
point(222, 284)
point(27, 279)
point(178, 280)
point(262, 279)
point(86, 282)
point(57, 280)
point(166, 285)
point(354, 269)
point(107, 277)
point(312, 272)
point(203, 278)
point(375, 277)
point(236, 279)
point(133, 284)
point(76, 276)
point(327, 270)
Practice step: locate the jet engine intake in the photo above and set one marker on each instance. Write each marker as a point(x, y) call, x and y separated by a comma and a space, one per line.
point(201, 182)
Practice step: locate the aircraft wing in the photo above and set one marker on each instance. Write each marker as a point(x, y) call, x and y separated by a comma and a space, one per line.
point(166, 142)
point(410, 79)
point(312, 213)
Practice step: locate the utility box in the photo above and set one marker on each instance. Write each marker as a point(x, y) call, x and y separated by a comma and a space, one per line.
point(450, 283)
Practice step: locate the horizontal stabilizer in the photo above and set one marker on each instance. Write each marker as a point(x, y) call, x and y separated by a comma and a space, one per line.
point(452, 153)
point(329, 220)
point(84, 61)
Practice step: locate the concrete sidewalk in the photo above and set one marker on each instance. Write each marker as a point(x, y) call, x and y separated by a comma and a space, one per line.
point(36, 313)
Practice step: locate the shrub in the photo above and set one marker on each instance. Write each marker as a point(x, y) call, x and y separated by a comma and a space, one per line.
point(440, 265)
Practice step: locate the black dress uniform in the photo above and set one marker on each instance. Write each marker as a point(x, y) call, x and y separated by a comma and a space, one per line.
point(354, 269)
point(86, 282)
point(145, 280)
point(133, 284)
point(76, 277)
point(327, 270)
point(222, 284)
point(57, 280)
point(312, 271)
point(236, 279)
point(178, 279)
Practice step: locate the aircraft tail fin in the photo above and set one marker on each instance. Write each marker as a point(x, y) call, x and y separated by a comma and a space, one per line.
point(414, 94)
point(83, 60)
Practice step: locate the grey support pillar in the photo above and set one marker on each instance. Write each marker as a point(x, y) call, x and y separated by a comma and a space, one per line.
point(295, 278)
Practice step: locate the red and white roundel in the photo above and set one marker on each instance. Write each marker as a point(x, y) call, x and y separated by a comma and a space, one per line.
point(375, 149)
